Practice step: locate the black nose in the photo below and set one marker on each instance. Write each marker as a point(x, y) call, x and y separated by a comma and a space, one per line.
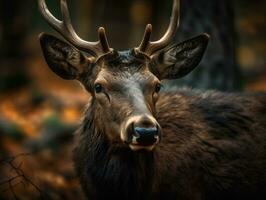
point(146, 136)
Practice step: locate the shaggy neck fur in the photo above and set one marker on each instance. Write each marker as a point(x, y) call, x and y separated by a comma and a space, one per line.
point(114, 169)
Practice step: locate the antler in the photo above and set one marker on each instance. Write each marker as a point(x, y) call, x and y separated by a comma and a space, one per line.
point(66, 29)
point(149, 47)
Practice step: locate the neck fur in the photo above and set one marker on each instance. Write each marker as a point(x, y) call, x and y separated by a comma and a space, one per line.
point(114, 167)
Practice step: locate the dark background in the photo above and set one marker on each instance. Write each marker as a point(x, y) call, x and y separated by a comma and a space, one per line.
point(39, 111)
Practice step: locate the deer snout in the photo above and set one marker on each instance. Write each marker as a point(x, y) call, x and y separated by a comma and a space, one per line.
point(144, 133)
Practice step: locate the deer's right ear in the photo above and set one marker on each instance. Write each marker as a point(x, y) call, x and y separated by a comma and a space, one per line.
point(63, 59)
point(179, 60)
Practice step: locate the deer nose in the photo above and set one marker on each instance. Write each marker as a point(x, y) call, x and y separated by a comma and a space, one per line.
point(145, 131)
point(146, 136)
point(141, 132)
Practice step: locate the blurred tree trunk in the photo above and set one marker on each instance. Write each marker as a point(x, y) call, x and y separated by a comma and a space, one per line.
point(83, 12)
point(114, 16)
point(14, 21)
point(218, 69)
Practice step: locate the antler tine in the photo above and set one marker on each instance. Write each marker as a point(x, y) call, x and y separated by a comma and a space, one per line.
point(146, 38)
point(103, 40)
point(149, 47)
point(66, 29)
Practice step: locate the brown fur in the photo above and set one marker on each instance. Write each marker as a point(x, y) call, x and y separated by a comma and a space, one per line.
point(213, 147)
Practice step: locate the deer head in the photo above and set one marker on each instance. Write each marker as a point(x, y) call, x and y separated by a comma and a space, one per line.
point(124, 85)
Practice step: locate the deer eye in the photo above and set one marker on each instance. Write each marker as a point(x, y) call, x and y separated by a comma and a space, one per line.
point(98, 88)
point(158, 88)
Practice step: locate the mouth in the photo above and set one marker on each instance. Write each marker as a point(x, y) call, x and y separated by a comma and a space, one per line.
point(136, 147)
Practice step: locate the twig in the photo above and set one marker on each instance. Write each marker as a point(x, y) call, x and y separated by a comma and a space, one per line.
point(19, 175)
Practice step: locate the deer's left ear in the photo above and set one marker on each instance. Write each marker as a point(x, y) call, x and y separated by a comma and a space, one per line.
point(63, 59)
point(179, 60)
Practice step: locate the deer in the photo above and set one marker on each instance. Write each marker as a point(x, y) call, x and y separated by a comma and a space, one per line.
point(138, 142)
